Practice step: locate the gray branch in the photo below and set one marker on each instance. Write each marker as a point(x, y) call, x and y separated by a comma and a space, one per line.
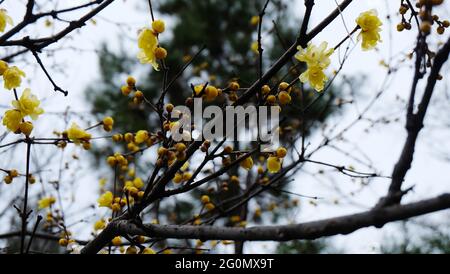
point(310, 230)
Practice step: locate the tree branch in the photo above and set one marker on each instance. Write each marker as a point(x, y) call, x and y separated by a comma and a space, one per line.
point(310, 230)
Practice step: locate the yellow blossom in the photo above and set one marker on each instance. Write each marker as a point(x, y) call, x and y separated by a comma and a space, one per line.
point(315, 56)
point(12, 77)
point(273, 164)
point(106, 199)
point(370, 29)
point(3, 67)
point(148, 43)
point(4, 19)
point(317, 60)
point(12, 119)
point(28, 104)
point(315, 76)
point(77, 135)
point(46, 202)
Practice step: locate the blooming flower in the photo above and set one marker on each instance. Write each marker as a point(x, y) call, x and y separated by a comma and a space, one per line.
point(3, 67)
point(314, 55)
point(106, 199)
point(28, 104)
point(4, 19)
point(148, 42)
point(12, 119)
point(12, 77)
point(317, 60)
point(315, 76)
point(77, 135)
point(46, 202)
point(370, 29)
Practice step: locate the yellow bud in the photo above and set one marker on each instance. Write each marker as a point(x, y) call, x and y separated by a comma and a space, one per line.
point(160, 53)
point(158, 26)
point(26, 128)
point(116, 241)
point(117, 137)
point(131, 81)
point(205, 199)
point(126, 90)
point(281, 152)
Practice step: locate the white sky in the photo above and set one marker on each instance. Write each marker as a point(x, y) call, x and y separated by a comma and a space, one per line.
point(382, 144)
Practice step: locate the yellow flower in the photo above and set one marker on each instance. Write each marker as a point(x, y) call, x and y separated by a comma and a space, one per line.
point(4, 19)
point(77, 135)
point(273, 164)
point(247, 163)
point(46, 202)
point(12, 119)
point(315, 76)
point(148, 43)
point(106, 199)
point(12, 77)
point(100, 224)
point(158, 26)
point(315, 56)
point(141, 136)
point(3, 67)
point(317, 60)
point(370, 29)
point(28, 104)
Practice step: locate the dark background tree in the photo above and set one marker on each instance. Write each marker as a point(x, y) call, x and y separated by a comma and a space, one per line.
point(227, 31)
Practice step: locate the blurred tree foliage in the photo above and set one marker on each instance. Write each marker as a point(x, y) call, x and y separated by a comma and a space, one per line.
point(424, 239)
point(225, 28)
